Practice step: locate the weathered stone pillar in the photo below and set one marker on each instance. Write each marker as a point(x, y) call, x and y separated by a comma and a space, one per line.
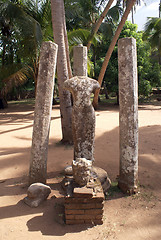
point(42, 116)
point(80, 60)
point(128, 99)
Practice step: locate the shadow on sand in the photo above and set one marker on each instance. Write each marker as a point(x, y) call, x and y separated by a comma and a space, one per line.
point(49, 219)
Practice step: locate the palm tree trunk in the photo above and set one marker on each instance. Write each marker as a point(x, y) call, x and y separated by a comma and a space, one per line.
point(159, 36)
point(57, 7)
point(3, 54)
point(132, 15)
point(98, 23)
point(67, 47)
point(111, 48)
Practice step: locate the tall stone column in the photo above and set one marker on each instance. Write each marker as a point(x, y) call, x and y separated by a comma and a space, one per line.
point(80, 60)
point(128, 118)
point(42, 114)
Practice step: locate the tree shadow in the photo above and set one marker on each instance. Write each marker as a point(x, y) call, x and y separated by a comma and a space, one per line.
point(17, 120)
point(149, 155)
point(106, 157)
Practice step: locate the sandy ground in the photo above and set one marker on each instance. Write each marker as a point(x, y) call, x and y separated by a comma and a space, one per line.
point(125, 217)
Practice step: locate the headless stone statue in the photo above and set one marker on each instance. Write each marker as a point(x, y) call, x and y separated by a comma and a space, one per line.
point(83, 116)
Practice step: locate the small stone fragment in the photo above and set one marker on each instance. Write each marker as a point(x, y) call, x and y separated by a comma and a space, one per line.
point(36, 194)
point(68, 170)
point(68, 186)
point(102, 175)
point(81, 171)
point(106, 185)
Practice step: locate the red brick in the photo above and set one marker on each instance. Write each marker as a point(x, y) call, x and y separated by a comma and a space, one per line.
point(70, 216)
point(74, 211)
point(73, 206)
point(92, 205)
point(83, 192)
point(99, 196)
point(99, 216)
point(99, 222)
point(75, 200)
point(73, 222)
point(83, 205)
point(84, 216)
point(83, 200)
point(93, 211)
point(99, 205)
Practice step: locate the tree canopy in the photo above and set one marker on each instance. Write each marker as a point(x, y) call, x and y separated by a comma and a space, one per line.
point(25, 24)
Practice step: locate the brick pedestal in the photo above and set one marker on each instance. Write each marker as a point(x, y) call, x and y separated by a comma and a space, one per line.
point(84, 207)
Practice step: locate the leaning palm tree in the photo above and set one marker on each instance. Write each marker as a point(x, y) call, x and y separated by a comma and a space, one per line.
point(129, 6)
point(99, 22)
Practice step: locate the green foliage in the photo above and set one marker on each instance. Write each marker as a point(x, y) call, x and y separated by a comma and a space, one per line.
point(78, 36)
point(149, 72)
point(145, 88)
point(152, 33)
point(23, 25)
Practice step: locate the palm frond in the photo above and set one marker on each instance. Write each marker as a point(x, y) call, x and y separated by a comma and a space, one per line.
point(80, 36)
point(20, 20)
point(150, 24)
point(16, 79)
point(153, 33)
point(115, 13)
point(107, 29)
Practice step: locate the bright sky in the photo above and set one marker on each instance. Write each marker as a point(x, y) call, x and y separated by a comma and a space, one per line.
point(150, 8)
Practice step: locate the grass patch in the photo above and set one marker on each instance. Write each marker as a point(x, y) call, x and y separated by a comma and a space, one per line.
point(114, 190)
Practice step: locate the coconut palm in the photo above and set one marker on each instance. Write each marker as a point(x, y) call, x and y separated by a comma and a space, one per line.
point(152, 32)
point(23, 24)
point(59, 29)
point(97, 22)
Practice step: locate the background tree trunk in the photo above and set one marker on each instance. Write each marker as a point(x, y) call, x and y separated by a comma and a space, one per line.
point(67, 47)
point(57, 8)
point(111, 48)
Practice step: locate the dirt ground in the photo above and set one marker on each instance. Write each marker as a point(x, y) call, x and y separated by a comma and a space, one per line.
point(134, 217)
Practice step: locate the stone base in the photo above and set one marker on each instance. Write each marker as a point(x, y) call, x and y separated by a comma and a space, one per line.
point(84, 206)
point(125, 188)
point(96, 173)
